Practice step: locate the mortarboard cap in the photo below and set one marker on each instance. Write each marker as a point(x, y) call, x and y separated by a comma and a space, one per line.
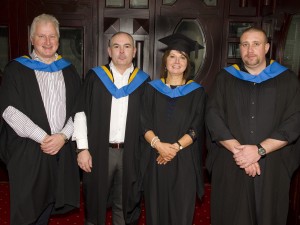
point(181, 42)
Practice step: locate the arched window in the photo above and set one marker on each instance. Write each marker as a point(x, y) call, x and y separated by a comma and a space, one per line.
point(191, 28)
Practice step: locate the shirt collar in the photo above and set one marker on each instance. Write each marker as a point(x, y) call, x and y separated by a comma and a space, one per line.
point(127, 72)
point(34, 56)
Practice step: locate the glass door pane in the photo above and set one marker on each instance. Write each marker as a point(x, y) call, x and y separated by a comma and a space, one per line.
point(210, 2)
point(233, 50)
point(169, 2)
point(71, 46)
point(141, 4)
point(291, 57)
point(236, 28)
point(114, 3)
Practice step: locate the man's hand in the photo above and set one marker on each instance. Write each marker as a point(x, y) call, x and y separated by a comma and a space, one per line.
point(84, 160)
point(246, 156)
point(52, 144)
point(253, 170)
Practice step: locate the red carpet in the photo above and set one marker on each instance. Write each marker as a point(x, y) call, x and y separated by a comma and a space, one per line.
point(201, 216)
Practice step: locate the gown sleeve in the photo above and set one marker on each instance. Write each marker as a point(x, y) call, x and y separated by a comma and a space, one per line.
point(197, 122)
point(23, 125)
point(147, 110)
point(288, 100)
point(10, 95)
point(215, 113)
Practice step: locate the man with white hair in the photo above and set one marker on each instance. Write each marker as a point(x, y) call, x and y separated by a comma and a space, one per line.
point(37, 96)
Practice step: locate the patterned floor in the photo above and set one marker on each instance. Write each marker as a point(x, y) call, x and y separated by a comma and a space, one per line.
point(201, 216)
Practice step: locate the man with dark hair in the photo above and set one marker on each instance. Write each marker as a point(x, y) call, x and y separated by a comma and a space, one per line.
point(253, 118)
point(107, 134)
point(37, 97)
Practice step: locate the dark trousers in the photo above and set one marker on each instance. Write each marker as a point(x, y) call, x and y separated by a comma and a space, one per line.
point(44, 217)
point(115, 175)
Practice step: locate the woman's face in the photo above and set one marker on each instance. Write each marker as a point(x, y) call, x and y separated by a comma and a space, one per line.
point(176, 63)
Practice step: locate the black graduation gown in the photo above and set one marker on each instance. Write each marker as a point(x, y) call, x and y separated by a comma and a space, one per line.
point(37, 179)
point(251, 113)
point(96, 102)
point(170, 190)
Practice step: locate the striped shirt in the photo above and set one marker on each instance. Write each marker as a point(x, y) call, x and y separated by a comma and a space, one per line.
point(53, 93)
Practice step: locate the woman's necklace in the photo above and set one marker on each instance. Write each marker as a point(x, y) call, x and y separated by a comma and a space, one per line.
point(182, 82)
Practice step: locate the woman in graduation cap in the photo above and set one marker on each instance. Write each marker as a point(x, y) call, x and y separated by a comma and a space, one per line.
point(172, 120)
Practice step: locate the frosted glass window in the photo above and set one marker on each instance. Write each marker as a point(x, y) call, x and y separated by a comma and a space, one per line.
point(233, 50)
point(291, 57)
point(237, 28)
point(114, 3)
point(141, 4)
point(71, 46)
point(210, 2)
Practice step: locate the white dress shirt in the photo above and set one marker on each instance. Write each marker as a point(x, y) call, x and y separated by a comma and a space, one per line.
point(118, 117)
point(119, 107)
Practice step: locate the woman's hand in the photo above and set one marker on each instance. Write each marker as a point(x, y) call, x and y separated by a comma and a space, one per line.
point(160, 160)
point(166, 151)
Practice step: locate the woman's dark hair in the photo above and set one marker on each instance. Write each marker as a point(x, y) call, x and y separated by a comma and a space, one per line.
point(163, 70)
